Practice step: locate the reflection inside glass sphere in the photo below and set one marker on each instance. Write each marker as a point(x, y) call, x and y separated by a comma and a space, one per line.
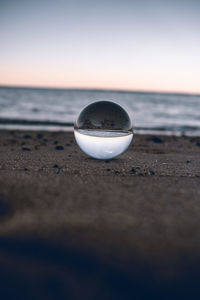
point(103, 130)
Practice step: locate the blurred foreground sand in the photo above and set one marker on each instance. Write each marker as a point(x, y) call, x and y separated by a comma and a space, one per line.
point(72, 227)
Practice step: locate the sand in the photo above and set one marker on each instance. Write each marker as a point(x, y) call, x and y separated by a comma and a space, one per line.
point(72, 227)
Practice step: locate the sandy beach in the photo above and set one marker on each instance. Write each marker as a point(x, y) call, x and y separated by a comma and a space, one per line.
point(72, 227)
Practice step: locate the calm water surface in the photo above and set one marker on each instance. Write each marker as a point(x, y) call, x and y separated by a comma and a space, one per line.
point(57, 109)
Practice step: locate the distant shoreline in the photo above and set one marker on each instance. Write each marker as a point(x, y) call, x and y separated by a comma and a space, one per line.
point(101, 90)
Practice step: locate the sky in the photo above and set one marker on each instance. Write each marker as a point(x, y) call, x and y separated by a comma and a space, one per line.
point(109, 44)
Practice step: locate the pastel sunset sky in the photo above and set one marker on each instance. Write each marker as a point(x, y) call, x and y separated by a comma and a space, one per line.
point(110, 44)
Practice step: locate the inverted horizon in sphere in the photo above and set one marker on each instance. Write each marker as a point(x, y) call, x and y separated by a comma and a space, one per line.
point(103, 130)
point(103, 145)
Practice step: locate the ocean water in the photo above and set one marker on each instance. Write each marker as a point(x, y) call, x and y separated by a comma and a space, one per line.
point(57, 109)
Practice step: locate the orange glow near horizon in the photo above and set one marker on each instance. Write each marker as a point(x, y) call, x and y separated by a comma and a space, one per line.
point(133, 82)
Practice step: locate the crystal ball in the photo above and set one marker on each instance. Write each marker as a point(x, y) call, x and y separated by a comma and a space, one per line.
point(103, 130)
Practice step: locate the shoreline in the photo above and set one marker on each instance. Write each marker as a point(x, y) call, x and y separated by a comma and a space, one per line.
point(86, 89)
point(119, 229)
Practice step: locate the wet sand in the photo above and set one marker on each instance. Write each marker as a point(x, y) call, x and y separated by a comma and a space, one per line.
point(72, 227)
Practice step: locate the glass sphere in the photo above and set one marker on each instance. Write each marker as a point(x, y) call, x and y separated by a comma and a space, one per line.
point(103, 130)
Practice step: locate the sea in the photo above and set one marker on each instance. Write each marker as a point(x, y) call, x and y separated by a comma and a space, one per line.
point(57, 109)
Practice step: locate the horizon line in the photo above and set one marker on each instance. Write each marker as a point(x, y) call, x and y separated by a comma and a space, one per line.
point(99, 89)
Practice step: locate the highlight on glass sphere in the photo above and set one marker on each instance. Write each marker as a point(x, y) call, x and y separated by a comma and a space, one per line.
point(103, 130)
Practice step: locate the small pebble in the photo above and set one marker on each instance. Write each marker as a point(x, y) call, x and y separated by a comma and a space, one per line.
point(151, 172)
point(157, 140)
point(59, 148)
point(26, 149)
point(133, 171)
